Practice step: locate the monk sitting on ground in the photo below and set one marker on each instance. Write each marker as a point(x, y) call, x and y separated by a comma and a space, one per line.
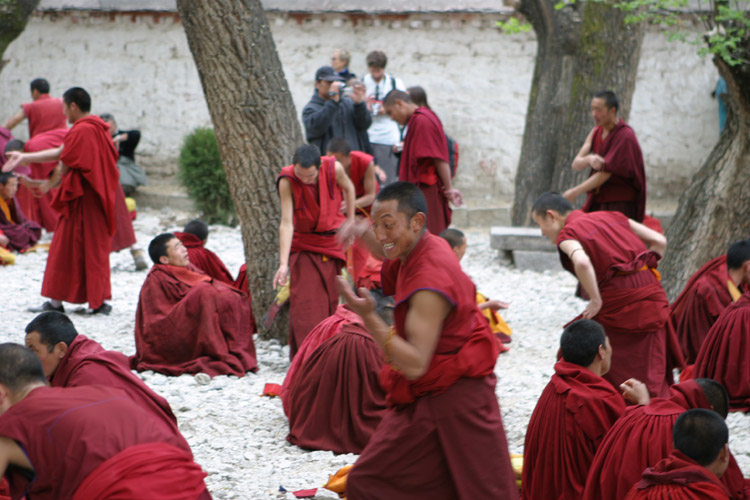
point(643, 436)
point(21, 233)
point(72, 360)
point(194, 237)
point(332, 395)
point(692, 470)
point(85, 443)
point(708, 292)
point(573, 413)
point(187, 322)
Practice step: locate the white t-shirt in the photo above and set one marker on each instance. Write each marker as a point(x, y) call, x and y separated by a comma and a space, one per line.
point(383, 130)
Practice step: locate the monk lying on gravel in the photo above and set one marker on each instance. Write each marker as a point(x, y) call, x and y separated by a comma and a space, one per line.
point(187, 322)
point(331, 394)
point(574, 412)
point(692, 470)
point(85, 443)
point(643, 436)
point(194, 237)
point(72, 360)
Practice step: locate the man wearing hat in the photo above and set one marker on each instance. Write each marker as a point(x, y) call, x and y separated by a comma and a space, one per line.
point(332, 113)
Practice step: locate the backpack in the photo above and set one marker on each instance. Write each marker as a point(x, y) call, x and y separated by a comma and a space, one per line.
point(452, 154)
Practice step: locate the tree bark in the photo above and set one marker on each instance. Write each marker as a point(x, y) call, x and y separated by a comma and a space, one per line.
point(256, 126)
point(714, 211)
point(13, 17)
point(581, 49)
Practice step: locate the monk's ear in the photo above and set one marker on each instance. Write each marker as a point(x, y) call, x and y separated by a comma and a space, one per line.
point(61, 348)
point(164, 260)
point(417, 221)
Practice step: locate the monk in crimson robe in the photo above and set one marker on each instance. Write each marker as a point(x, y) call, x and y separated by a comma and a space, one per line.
point(84, 443)
point(615, 260)
point(333, 397)
point(424, 159)
point(78, 264)
point(643, 436)
point(194, 237)
point(617, 180)
point(312, 191)
point(72, 360)
point(187, 322)
point(692, 470)
point(44, 112)
point(707, 293)
point(574, 412)
point(22, 233)
point(442, 437)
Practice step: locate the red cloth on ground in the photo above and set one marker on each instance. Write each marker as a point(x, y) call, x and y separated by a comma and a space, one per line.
point(124, 236)
point(204, 259)
point(678, 477)
point(40, 209)
point(357, 169)
point(44, 114)
point(78, 264)
point(640, 439)
point(725, 354)
point(21, 232)
point(66, 433)
point(424, 142)
point(571, 418)
point(704, 297)
point(87, 363)
point(625, 191)
point(335, 401)
point(635, 310)
point(188, 323)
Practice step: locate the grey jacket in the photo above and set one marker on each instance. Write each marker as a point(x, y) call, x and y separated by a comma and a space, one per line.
point(325, 120)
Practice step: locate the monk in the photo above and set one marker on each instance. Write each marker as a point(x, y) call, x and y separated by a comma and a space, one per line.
point(643, 436)
point(194, 237)
point(73, 360)
point(44, 112)
point(78, 264)
point(707, 293)
point(424, 159)
point(332, 395)
point(86, 442)
point(442, 437)
point(6, 137)
point(617, 179)
point(692, 470)
point(188, 322)
point(312, 190)
point(20, 232)
point(574, 412)
point(615, 259)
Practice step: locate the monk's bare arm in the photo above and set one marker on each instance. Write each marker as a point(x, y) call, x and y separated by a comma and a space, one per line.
point(16, 158)
point(347, 188)
point(444, 174)
point(286, 231)
point(585, 273)
point(654, 241)
point(589, 184)
point(370, 184)
point(15, 119)
point(583, 158)
point(12, 454)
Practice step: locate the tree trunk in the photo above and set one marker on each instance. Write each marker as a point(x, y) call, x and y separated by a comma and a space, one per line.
point(714, 211)
point(581, 49)
point(256, 126)
point(13, 17)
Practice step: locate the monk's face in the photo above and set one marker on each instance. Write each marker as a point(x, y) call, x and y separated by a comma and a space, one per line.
point(9, 189)
point(394, 230)
point(50, 359)
point(177, 254)
point(398, 112)
point(307, 175)
point(72, 112)
point(460, 250)
point(345, 160)
point(602, 115)
point(550, 223)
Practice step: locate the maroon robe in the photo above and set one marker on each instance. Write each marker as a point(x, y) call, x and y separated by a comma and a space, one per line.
point(704, 297)
point(425, 141)
point(335, 402)
point(244, 286)
point(725, 354)
point(188, 323)
point(124, 236)
point(204, 259)
point(5, 137)
point(634, 309)
point(44, 114)
point(678, 477)
point(316, 257)
point(625, 191)
point(66, 433)
point(426, 444)
point(78, 264)
point(359, 250)
point(641, 438)
point(21, 232)
point(574, 412)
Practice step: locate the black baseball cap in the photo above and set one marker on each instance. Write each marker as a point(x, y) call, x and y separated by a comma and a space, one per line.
point(326, 73)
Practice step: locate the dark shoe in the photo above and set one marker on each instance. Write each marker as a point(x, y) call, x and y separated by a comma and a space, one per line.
point(47, 306)
point(104, 309)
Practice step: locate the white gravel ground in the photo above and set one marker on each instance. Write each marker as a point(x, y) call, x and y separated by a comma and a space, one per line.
point(239, 437)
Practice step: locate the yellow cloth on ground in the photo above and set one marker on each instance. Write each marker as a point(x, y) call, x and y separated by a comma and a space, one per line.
point(130, 203)
point(337, 482)
point(516, 462)
point(6, 257)
point(497, 324)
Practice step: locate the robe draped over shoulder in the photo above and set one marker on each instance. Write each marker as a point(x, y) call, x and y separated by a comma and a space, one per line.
point(204, 259)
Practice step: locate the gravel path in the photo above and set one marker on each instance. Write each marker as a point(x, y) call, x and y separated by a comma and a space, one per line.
point(239, 437)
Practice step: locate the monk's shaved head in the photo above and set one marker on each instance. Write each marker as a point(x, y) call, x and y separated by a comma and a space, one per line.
point(14, 145)
point(158, 246)
point(609, 98)
point(551, 201)
point(700, 434)
point(53, 327)
point(396, 95)
point(454, 237)
point(338, 145)
point(79, 97)
point(307, 156)
point(197, 228)
point(716, 394)
point(409, 197)
point(580, 342)
point(738, 254)
point(40, 85)
point(19, 367)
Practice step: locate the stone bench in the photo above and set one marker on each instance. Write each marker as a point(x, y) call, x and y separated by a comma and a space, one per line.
point(530, 250)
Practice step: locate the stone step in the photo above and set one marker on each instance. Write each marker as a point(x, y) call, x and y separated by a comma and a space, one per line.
point(464, 217)
point(162, 193)
point(519, 238)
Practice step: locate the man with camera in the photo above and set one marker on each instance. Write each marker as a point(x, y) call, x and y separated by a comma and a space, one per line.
point(336, 111)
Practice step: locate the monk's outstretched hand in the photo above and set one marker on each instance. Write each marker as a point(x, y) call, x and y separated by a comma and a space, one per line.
point(352, 230)
point(635, 392)
point(363, 304)
point(592, 309)
point(15, 158)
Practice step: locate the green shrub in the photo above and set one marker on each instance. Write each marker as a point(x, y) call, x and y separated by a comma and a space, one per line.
point(202, 173)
